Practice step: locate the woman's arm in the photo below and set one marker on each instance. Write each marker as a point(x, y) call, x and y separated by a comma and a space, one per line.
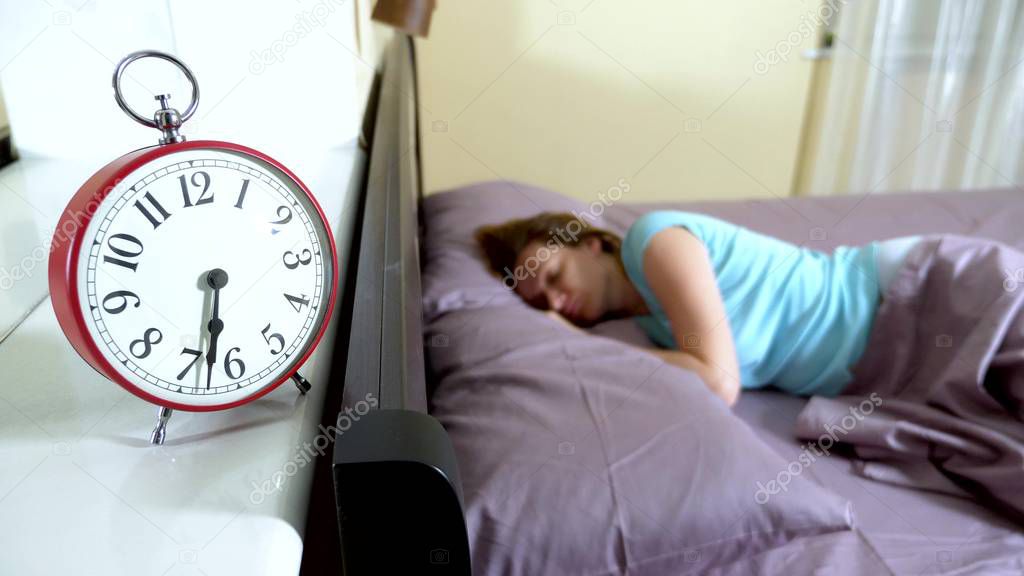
point(679, 272)
point(714, 377)
point(720, 383)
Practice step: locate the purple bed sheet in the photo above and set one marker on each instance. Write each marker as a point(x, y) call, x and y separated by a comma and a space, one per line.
point(936, 531)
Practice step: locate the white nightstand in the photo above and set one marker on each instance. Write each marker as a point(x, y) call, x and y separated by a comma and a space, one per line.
point(81, 489)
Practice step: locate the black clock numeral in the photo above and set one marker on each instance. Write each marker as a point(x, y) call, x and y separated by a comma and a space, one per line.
point(147, 342)
point(203, 198)
point(241, 194)
point(305, 258)
point(284, 218)
point(273, 336)
point(156, 222)
point(297, 302)
point(195, 353)
point(127, 246)
point(229, 362)
point(121, 299)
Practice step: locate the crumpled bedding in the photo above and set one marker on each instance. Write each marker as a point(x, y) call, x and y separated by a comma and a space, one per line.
point(944, 370)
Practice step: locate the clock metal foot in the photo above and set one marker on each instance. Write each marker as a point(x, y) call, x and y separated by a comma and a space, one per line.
point(157, 437)
point(301, 383)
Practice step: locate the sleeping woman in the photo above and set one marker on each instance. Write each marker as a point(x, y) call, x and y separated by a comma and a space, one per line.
point(741, 309)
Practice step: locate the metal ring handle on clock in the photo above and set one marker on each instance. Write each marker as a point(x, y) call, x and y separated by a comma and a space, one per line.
point(123, 64)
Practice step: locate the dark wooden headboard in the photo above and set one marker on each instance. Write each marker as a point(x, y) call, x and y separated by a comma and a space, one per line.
point(396, 482)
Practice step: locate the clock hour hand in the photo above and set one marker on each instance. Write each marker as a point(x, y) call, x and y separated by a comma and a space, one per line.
point(215, 279)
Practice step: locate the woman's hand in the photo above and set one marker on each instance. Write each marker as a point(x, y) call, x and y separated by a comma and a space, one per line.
point(722, 384)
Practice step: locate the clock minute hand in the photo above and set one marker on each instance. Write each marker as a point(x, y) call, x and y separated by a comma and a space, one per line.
point(215, 279)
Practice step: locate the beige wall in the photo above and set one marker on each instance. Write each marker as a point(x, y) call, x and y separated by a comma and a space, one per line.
point(4, 123)
point(812, 133)
point(372, 39)
point(575, 95)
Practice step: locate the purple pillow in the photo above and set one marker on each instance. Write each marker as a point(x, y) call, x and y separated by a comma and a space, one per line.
point(580, 454)
point(454, 274)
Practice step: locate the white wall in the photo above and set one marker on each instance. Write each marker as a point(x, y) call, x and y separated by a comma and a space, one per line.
point(275, 75)
point(287, 78)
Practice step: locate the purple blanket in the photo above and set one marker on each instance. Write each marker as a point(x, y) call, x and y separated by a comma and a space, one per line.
point(944, 371)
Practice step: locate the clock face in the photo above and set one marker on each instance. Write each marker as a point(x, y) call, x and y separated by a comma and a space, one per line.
point(205, 276)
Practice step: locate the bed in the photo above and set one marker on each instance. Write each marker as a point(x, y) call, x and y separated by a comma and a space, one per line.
point(503, 444)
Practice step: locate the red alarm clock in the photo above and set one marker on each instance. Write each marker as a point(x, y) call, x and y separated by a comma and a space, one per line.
point(197, 275)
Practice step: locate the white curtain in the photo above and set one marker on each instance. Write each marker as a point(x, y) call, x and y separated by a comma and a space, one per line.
point(921, 95)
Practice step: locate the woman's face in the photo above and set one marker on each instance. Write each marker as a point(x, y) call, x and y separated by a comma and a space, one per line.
point(571, 280)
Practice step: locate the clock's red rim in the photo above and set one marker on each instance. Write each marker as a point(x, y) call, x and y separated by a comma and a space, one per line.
point(64, 255)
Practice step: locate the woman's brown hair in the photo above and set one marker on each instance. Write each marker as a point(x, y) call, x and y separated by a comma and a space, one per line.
point(502, 243)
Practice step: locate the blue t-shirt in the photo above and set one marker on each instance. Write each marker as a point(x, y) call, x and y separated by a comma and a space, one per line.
point(800, 318)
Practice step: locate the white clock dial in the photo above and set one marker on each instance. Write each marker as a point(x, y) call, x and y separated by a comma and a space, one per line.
point(185, 232)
